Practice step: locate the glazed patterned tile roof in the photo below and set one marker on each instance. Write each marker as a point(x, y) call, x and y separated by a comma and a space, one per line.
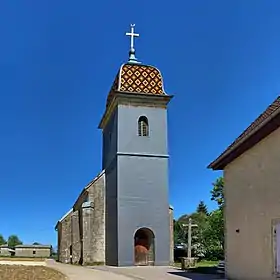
point(251, 130)
point(137, 78)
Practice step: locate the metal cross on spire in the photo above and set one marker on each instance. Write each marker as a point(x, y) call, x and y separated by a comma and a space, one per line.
point(132, 57)
point(132, 35)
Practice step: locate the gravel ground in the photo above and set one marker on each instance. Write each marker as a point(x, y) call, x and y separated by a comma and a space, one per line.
point(20, 272)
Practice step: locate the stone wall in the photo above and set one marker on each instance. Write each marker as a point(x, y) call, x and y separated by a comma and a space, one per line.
point(96, 195)
point(87, 212)
point(76, 242)
point(65, 238)
point(82, 232)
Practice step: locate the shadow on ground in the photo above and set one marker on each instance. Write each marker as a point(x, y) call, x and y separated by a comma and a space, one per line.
point(199, 273)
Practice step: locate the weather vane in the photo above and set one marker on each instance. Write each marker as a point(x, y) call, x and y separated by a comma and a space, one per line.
point(132, 57)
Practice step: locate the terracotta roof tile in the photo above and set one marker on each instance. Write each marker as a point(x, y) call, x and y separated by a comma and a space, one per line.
point(137, 78)
point(252, 129)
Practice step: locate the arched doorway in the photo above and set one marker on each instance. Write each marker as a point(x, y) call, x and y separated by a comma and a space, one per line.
point(144, 247)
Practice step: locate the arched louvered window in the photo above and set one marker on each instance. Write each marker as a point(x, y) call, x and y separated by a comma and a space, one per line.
point(143, 126)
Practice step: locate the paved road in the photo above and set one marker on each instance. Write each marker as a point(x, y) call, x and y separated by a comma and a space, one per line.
point(155, 273)
point(75, 272)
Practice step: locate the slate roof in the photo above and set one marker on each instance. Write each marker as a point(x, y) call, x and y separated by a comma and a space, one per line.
point(265, 124)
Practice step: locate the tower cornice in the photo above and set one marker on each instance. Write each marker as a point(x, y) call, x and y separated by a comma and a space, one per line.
point(134, 99)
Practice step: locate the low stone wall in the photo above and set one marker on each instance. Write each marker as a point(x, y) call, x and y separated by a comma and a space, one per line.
point(21, 262)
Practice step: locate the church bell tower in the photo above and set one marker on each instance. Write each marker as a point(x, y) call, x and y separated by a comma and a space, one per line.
point(135, 160)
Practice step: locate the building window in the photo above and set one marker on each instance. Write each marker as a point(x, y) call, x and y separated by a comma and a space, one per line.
point(34, 252)
point(143, 126)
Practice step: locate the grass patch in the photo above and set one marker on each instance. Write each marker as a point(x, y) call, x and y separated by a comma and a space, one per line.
point(207, 263)
point(203, 267)
point(18, 272)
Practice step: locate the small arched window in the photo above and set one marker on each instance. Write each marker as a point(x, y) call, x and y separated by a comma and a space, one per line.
point(143, 126)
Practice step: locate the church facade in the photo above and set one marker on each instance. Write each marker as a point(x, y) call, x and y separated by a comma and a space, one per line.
point(123, 217)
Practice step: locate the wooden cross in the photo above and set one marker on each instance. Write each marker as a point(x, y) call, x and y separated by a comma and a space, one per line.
point(132, 35)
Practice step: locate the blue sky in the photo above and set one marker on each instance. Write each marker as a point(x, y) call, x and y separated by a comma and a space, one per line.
point(58, 60)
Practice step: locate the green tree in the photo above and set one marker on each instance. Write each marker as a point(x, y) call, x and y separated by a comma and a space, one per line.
point(179, 232)
point(202, 208)
point(13, 241)
point(200, 221)
point(36, 243)
point(213, 235)
point(208, 234)
point(2, 240)
point(217, 193)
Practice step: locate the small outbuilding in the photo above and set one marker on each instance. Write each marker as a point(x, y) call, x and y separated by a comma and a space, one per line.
point(5, 251)
point(33, 251)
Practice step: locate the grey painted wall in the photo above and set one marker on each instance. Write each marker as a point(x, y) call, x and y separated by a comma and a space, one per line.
point(136, 183)
point(110, 141)
point(110, 166)
point(111, 212)
point(128, 139)
point(143, 202)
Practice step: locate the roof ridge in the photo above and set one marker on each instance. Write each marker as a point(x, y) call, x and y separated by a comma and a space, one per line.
point(265, 117)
